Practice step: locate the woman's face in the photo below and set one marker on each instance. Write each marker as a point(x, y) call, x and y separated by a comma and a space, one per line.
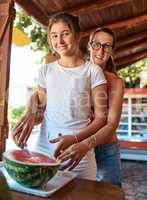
point(101, 48)
point(63, 40)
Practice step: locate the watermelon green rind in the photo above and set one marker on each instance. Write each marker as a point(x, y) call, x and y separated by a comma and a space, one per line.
point(29, 175)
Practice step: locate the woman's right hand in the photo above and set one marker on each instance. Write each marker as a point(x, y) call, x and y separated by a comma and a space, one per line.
point(23, 129)
point(33, 116)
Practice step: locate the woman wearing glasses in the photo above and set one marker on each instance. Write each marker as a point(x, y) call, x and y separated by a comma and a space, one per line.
point(101, 45)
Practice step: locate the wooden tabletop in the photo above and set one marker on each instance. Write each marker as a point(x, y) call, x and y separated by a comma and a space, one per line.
point(79, 189)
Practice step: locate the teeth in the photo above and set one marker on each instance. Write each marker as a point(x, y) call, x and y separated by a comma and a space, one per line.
point(98, 57)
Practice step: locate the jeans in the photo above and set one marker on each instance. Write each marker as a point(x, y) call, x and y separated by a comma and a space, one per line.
point(108, 163)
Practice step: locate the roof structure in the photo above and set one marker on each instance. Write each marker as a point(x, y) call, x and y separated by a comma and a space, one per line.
point(127, 18)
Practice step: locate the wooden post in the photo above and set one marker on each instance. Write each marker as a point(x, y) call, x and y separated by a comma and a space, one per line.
point(6, 23)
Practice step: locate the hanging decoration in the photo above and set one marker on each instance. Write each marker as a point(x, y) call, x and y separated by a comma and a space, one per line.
point(19, 38)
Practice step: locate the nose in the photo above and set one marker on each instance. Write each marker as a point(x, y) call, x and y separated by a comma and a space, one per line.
point(60, 39)
point(100, 50)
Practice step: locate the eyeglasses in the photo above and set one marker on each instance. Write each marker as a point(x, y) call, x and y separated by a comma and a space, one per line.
point(97, 45)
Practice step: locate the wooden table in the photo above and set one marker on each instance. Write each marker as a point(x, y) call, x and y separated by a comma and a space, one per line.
point(79, 189)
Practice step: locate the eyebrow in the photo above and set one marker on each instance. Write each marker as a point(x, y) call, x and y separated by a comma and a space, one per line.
point(61, 32)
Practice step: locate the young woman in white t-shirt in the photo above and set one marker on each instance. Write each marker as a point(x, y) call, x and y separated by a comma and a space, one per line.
point(71, 87)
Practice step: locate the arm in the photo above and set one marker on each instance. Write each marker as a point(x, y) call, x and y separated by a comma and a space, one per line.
point(33, 115)
point(116, 92)
point(76, 152)
point(99, 97)
point(100, 107)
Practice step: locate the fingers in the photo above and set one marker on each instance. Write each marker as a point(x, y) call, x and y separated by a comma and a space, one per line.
point(19, 125)
point(58, 150)
point(55, 140)
point(74, 164)
point(16, 133)
point(17, 128)
point(69, 164)
point(20, 139)
point(74, 160)
point(21, 134)
point(28, 133)
point(65, 155)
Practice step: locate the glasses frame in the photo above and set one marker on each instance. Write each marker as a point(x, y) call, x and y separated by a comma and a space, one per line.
point(103, 46)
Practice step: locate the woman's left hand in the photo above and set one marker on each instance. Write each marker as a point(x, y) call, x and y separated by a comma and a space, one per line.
point(74, 154)
point(64, 142)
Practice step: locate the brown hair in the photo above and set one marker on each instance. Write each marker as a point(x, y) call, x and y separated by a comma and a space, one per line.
point(110, 66)
point(71, 20)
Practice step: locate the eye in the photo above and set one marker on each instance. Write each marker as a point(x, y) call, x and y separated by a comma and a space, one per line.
point(54, 36)
point(66, 33)
point(95, 45)
point(107, 47)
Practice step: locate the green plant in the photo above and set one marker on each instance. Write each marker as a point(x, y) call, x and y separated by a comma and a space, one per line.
point(34, 30)
point(15, 114)
point(131, 74)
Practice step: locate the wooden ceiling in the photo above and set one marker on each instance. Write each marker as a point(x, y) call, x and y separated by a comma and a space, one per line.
point(127, 18)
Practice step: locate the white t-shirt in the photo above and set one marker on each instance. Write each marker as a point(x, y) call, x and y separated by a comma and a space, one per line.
point(69, 100)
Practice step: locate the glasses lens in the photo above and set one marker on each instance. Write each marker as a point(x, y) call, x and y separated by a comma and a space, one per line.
point(107, 48)
point(97, 46)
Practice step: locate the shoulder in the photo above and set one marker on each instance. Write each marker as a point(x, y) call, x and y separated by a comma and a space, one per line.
point(47, 67)
point(94, 68)
point(113, 78)
point(92, 65)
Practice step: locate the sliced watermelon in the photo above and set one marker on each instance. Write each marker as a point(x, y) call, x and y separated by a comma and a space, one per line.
point(29, 169)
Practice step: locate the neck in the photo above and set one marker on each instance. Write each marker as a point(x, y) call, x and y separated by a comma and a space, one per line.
point(71, 61)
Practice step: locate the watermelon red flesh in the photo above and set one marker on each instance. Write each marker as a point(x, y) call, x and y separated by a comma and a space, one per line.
point(31, 157)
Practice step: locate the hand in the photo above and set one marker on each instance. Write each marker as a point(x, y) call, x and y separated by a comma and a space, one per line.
point(23, 129)
point(64, 142)
point(74, 154)
point(33, 116)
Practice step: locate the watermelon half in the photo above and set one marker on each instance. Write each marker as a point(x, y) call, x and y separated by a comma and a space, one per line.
point(30, 169)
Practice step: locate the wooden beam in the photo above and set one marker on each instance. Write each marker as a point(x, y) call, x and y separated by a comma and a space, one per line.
point(5, 47)
point(32, 10)
point(96, 6)
point(125, 61)
point(122, 25)
point(131, 39)
point(130, 49)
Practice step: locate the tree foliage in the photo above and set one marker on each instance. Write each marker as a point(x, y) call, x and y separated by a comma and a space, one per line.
point(15, 114)
point(131, 74)
point(34, 30)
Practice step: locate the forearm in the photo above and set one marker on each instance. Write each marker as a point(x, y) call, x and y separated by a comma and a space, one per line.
point(102, 136)
point(91, 129)
point(36, 107)
point(100, 112)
